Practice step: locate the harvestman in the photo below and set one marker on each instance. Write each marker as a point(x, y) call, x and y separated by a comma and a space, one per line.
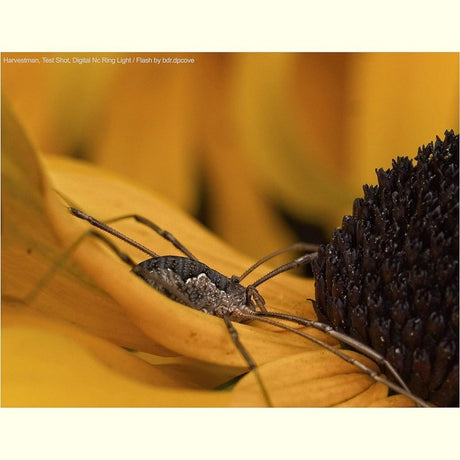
point(194, 284)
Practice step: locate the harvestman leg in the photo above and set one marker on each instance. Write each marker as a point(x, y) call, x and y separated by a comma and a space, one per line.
point(294, 247)
point(374, 375)
point(244, 352)
point(355, 344)
point(303, 260)
point(142, 220)
point(98, 224)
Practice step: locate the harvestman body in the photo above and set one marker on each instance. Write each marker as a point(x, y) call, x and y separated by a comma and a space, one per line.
point(194, 284)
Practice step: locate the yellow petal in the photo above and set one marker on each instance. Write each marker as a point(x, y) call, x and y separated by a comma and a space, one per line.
point(311, 379)
point(317, 125)
point(402, 100)
point(236, 208)
point(147, 128)
point(377, 391)
point(60, 104)
point(205, 375)
point(291, 167)
point(30, 248)
point(394, 401)
point(47, 364)
point(100, 112)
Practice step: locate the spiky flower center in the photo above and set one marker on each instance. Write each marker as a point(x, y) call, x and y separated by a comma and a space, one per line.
point(389, 277)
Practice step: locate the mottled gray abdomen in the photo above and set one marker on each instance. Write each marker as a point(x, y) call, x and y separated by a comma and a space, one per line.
point(194, 284)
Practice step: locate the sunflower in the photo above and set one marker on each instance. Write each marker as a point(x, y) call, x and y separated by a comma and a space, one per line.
point(102, 324)
point(92, 334)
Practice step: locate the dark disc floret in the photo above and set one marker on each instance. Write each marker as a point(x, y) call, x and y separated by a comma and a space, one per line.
point(389, 277)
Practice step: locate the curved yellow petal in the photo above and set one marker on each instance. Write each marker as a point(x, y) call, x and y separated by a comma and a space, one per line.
point(147, 130)
point(394, 401)
point(30, 248)
point(236, 207)
point(402, 100)
point(116, 358)
point(187, 331)
point(52, 365)
point(61, 104)
point(378, 391)
point(99, 112)
point(206, 375)
point(293, 167)
point(311, 379)
point(317, 125)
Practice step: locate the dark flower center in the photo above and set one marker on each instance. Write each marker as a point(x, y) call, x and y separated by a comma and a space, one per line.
point(389, 277)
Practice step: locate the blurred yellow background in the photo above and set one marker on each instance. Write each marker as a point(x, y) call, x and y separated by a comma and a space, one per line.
point(248, 142)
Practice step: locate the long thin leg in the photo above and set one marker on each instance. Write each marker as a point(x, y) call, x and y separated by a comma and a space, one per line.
point(374, 375)
point(234, 335)
point(294, 247)
point(302, 260)
point(142, 220)
point(122, 255)
point(30, 296)
point(103, 226)
point(356, 344)
point(106, 228)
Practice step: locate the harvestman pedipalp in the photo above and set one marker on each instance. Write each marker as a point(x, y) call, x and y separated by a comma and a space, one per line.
point(194, 284)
